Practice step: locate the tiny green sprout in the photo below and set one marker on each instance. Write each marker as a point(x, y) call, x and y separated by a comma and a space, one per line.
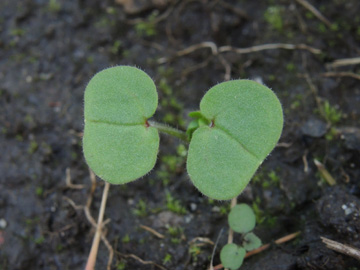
point(119, 145)
point(242, 218)
point(167, 258)
point(251, 242)
point(232, 256)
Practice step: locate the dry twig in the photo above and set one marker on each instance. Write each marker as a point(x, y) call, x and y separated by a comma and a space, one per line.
point(141, 260)
point(69, 183)
point(265, 47)
point(215, 50)
point(314, 11)
point(157, 234)
point(345, 62)
point(306, 165)
point(325, 173)
point(341, 248)
point(342, 74)
point(201, 239)
point(90, 265)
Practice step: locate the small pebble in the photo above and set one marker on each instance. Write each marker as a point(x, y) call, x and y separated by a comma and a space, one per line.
point(193, 206)
point(3, 223)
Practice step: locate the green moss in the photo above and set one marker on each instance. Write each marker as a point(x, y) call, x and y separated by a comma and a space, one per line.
point(164, 87)
point(19, 138)
point(309, 15)
point(175, 233)
point(275, 179)
point(39, 240)
point(115, 48)
point(59, 248)
point(33, 147)
point(54, 6)
point(174, 205)
point(121, 265)
point(39, 191)
point(172, 162)
point(194, 252)
point(140, 210)
point(259, 214)
point(181, 150)
point(164, 176)
point(322, 28)
point(290, 67)
point(331, 134)
point(125, 239)
point(273, 16)
point(17, 32)
point(147, 28)
point(90, 59)
point(169, 118)
point(167, 258)
point(225, 209)
point(111, 10)
point(331, 113)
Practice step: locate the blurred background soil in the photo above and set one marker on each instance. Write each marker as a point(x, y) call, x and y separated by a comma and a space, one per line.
point(49, 50)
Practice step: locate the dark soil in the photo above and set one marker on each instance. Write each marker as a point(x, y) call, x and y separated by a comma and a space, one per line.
point(49, 49)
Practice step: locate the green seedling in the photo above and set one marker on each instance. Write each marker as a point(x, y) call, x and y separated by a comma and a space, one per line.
point(237, 126)
point(241, 220)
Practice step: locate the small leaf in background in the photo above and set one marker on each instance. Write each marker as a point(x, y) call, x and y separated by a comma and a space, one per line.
point(245, 122)
point(242, 218)
point(119, 145)
point(251, 242)
point(232, 256)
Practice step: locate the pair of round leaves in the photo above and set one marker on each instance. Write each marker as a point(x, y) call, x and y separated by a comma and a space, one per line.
point(242, 220)
point(119, 145)
point(232, 255)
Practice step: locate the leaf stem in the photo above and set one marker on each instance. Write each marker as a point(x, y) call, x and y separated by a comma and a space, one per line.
point(90, 265)
point(231, 232)
point(170, 130)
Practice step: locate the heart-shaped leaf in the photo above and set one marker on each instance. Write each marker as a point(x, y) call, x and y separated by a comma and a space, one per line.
point(242, 218)
point(251, 242)
point(119, 145)
point(232, 256)
point(246, 121)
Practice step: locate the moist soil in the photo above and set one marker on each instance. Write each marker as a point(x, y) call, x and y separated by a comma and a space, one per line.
point(49, 50)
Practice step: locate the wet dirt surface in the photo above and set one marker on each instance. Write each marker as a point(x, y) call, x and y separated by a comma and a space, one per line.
point(50, 49)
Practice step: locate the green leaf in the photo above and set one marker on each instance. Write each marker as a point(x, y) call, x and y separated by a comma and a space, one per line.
point(232, 256)
point(251, 242)
point(242, 218)
point(246, 121)
point(119, 145)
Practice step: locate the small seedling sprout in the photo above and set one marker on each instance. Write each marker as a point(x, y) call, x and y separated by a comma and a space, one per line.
point(237, 126)
point(241, 220)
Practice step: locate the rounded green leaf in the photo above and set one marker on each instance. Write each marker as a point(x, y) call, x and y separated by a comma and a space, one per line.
point(246, 121)
point(119, 145)
point(242, 218)
point(251, 242)
point(232, 256)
